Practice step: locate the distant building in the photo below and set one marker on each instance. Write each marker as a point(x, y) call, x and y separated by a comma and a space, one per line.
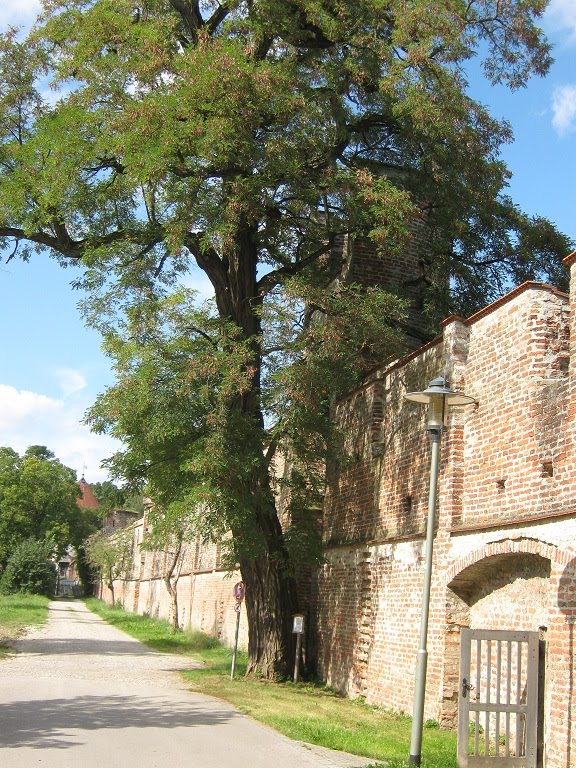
point(68, 580)
point(87, 499)
point(119, 518)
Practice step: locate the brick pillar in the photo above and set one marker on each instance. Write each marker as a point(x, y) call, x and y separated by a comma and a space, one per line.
point(570, 262)
point(456, 340)
point(566, 475)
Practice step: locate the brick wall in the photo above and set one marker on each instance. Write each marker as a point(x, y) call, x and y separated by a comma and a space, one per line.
point(359, 261)
point(506, 519)
point(205, 599)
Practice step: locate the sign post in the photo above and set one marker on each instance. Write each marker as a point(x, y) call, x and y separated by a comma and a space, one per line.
point(239, 591)
point(298, 630)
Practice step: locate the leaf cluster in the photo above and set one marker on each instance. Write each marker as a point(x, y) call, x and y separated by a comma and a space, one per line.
point(175, 130)
point(110, 556)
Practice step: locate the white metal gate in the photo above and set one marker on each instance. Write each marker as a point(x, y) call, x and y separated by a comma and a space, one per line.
point(498, 703)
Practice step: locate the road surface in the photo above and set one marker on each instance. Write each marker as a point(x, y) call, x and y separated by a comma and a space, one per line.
point(82, 694)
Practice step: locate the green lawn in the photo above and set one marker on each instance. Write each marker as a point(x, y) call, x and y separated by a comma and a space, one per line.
point(18, 612)
point(306, 712)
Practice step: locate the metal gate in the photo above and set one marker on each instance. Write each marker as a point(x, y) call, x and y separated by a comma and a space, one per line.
point(498, 705)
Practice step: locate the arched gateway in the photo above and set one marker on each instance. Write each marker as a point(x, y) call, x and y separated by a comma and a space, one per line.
point(518, 584)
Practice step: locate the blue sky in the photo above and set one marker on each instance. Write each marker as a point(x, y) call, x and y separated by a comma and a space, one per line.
point(51, 367)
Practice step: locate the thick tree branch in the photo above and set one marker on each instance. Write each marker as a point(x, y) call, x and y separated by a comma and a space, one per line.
point(270, 280)
point(215, 268)
point(217, 18)
point(61, 242)
point(191, 17)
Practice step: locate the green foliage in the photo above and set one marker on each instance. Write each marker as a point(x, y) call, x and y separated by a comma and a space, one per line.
point(112, 497)
point(110, 553)
point(245, 139)
point(110, 556)
point(30, 568)
point(108, 495)
point(38, 499)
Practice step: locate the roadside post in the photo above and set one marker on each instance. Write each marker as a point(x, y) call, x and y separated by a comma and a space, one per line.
point(298, 630)
point(239, 591)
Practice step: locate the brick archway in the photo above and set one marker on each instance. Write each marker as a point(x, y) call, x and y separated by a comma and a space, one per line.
point(482, 578)
point(509, 545)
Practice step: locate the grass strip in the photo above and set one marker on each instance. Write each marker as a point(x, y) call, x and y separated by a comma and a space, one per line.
point(306, 712)
point(17, 613)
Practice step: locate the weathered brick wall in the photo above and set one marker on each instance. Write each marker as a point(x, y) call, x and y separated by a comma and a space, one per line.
point(359, 261)
point(518, 357)
point(506, 521)
point(205, 599)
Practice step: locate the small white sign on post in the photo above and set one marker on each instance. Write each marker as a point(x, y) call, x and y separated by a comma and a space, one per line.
point(298, 624)
point(298, 630)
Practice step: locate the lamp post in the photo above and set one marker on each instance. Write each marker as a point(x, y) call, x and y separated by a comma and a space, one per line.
point(438, 397)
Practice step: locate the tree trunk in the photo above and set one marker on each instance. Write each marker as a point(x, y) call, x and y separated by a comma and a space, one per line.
point(270, 605)
point(111, 586)
point(172, 588)
point(172, 584)
point(270, 590)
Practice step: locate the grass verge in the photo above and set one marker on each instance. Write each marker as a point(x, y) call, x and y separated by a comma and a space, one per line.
point(305, 712)
point(17, 612)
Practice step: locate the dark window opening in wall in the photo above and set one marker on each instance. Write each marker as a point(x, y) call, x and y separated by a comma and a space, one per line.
point(548, 469)
point(501, 484)
point(407, 505)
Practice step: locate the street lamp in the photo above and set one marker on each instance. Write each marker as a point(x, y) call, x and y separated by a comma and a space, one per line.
point(438, 397)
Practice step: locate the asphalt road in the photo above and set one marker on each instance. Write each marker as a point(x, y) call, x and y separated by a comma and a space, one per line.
point(82, 694)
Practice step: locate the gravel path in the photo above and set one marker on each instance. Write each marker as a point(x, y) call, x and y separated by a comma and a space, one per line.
point(82, 694)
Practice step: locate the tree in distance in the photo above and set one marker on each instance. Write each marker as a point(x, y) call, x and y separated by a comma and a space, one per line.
point(240, 139)
point(31, 569)
point(111, 497)
point(39, 501)
point(109, 556)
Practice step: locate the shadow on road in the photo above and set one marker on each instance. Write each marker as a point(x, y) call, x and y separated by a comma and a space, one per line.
point(88, 646)
point(43, 724)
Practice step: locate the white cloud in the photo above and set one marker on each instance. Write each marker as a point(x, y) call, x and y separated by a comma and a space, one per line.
point(18, 13)
point(564, 109)
point(30, 418)
point(18, 405)
point(70, 381)
point(561, 16)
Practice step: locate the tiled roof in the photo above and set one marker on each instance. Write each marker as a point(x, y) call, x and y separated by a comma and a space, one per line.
point(87, 500)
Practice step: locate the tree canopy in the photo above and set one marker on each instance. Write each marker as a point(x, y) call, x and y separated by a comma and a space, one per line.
point(243, 138)
point(110, 497)
point(38, 500)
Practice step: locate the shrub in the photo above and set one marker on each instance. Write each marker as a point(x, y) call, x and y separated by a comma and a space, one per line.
point(30, 569)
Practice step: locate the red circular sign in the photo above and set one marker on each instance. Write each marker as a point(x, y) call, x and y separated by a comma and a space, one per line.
point(239, 591)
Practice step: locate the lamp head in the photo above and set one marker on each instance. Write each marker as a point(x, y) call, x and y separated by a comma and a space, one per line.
point(438, 396)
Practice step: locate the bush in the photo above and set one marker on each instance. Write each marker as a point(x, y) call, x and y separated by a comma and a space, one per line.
point(30, 569)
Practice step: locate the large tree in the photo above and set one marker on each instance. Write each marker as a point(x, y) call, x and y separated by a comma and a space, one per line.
point(242, 137)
